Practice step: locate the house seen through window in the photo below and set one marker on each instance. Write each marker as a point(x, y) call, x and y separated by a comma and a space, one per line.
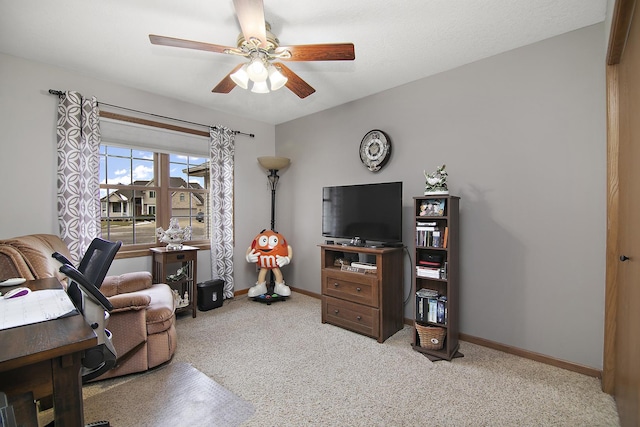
point(141, 190)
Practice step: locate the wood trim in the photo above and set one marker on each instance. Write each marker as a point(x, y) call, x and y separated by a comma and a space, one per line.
point(137, 120)
point(307, 293)
point(570, 366)
point(163, 196)
point(240, 292)
point(611, 276)
point(620, 24)
point(547, 360)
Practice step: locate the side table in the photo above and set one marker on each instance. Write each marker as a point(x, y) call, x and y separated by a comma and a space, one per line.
point(177, 268)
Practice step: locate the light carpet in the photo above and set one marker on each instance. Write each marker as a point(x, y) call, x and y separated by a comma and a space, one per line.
point(297, 371)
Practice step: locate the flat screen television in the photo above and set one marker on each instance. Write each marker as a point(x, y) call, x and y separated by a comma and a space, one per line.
point(370, 212)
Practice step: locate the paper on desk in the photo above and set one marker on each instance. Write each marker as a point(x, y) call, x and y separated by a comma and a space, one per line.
point(38, 306)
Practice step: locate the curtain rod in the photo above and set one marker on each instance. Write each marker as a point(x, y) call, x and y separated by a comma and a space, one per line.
point(60, 93)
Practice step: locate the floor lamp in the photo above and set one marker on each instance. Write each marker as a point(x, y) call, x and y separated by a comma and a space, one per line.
point(273, 165)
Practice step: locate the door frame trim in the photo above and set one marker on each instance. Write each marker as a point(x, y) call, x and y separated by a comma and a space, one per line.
point(620, 25)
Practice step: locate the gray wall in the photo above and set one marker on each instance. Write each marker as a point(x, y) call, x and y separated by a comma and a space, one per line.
point(523, 138)
point(28, 155)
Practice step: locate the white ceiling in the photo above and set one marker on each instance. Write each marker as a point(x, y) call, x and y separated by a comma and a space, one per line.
point(396, 42)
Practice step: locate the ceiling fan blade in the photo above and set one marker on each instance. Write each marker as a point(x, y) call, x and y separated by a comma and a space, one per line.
point(226, 84)
point(294, 83)
point(320, 52)
point(251, 17)
point(187, 44)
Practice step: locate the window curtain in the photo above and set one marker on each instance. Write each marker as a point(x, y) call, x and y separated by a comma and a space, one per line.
point(221, 166)
point(78, 136)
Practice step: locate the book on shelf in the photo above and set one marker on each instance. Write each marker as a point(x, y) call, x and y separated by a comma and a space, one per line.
point(429, 236)
point(445, 239)
point(435, 239)
point(356, 269)
point(431, 264)
point(426, 224)
point(422, 308)
point(431, 307)
point(428, 272)
point(440, 317)
point(437, 311)
point(433, 310)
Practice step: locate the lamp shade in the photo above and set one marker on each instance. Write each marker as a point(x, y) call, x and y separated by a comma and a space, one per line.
point(276, 78)
point(260, 87)
point(275, 163)
point(240, 77)
point(257, 71)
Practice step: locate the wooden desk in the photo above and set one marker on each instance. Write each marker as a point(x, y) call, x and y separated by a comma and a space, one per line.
point(45, 359)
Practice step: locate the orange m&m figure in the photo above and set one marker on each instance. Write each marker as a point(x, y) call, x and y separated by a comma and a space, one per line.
point(270, 251)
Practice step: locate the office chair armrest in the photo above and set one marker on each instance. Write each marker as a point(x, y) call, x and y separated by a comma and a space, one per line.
point(61, 258)
point(89, 289)
point(129, 301)
point(125, 283)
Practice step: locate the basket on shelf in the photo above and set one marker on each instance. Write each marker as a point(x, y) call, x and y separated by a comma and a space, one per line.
point(431, 337)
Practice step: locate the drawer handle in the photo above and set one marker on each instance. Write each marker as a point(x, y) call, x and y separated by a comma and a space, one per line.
point(336, 311)
point(358, 289)
point(180, 256)
point(336, 284)
point(359, 317)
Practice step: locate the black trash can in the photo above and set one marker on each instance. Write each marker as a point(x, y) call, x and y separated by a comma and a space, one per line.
point(210, 294)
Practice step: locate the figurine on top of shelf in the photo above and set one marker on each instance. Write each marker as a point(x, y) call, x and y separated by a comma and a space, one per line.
point(436, 182)
point(174, 235)
point(270, 251)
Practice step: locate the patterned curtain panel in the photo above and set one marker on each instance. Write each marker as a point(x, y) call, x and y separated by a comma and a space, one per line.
point(78, 132)
point(221, 164)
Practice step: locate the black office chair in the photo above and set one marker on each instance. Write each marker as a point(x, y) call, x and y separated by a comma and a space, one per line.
point(83, 289)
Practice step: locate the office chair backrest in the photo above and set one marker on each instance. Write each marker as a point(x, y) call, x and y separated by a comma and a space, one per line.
point(94, 266)
point(97, 259)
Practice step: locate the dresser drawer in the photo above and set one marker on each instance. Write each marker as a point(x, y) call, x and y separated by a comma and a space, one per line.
point(355, 317)
point(358, 288)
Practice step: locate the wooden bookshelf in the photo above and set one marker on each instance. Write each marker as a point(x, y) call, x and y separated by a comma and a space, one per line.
point(435, 274)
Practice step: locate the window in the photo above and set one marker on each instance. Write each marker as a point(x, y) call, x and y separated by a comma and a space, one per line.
point(141, 190)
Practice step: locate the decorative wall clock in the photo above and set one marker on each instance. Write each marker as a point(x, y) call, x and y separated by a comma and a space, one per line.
point(375, 150)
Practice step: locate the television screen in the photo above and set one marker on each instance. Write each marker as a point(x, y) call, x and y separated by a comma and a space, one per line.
point(371, 212)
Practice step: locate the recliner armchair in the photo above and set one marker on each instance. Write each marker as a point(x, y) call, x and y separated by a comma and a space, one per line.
point(142, 321)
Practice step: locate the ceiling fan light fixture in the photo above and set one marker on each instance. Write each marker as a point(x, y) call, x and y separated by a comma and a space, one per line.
point(260, 87)
point(257, 71)
point(276, 79)
point(240, 77)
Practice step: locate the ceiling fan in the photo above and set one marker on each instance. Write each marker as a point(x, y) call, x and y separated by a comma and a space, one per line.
point(258, 44)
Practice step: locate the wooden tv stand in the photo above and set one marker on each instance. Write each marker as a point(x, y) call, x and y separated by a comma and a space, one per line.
point(367, 303)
